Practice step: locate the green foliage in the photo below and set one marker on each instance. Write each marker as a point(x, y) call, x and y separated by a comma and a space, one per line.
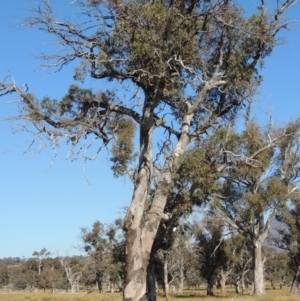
point(287, 235)
point(20, 284)
point(73, 102)
point(211, 250)
point(277, 267)
point(106, 252)
point(4, 276)
point(122, 149)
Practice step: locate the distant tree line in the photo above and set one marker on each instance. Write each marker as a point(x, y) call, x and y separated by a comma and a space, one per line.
point(202, 254)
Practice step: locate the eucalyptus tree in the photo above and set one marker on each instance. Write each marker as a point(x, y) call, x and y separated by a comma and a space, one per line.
point(288, 238)
point(4, 276)
point(211, 255)
point(96, 245)
point(101, 245)
point(73, 267)
point(261, 178)
point(277, 268)
point(186, 66)
point(217, 251)
point(40, 256)
point(243, 267)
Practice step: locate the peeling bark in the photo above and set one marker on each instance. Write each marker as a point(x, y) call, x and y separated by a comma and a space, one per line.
point(141, 227)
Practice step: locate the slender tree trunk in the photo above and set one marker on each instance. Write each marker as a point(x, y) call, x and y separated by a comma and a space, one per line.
point(120, 283)
point(181, 280)
point(99, 281)
point(295, 283)
point(243, 283)
point(272, 284)
point(237, 285)
point(166, 280)
point(223, 276)
point(222, 285)
point(258, 270)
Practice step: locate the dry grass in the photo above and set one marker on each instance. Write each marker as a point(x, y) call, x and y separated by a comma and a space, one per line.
point(197, 295)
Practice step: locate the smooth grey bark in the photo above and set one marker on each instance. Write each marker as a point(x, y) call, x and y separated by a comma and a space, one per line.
point(141, 229)
point(258, 270)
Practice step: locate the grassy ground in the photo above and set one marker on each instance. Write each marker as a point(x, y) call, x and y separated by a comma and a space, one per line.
point(197, 295)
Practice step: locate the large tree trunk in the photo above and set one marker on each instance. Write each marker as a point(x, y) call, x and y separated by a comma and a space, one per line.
point(139, 243)
point(139, 239)
point(258, 270)
point(295, 283)
point(141, 226)
point(138, 248)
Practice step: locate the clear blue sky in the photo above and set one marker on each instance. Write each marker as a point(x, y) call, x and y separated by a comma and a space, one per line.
point(43, 206)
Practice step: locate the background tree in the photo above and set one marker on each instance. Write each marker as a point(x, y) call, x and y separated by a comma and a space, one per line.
point(44, 253)
point(243, 267)
point(277, 268)
point(233, 247)
point(103, 247)
point(178, 258)
point(73, 267)
point(53, 276)
point(287, 238)
point(262, 178)
point(4, 276)
point(211, 255)
point(20, 284)
point(96, 245)
point(32, 273)
point(190, 64)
